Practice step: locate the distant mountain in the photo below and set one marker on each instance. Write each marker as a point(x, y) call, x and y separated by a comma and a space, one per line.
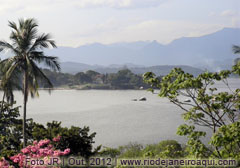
point(73, 68)
point(213, 52)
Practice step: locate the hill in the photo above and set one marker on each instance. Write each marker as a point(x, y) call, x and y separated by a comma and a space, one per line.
point(212, 51)
point(70, 67)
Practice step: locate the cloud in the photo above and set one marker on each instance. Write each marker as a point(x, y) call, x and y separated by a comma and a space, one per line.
point(31, 5)
point(73, 23)
point(233, 16)
point(119, 4)
point(228, 13)
point(230, 17)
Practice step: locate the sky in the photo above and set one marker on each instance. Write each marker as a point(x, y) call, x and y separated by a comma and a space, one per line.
point(79, 22)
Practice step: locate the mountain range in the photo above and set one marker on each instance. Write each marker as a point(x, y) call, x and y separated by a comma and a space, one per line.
point(212, 52)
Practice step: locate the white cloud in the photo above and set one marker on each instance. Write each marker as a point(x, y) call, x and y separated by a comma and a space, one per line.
point(228, 13)
point(118, 3)
point(73, 25)
point(233, 16)
point(33, 5)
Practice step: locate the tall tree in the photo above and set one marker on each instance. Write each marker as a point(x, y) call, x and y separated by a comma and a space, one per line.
point(236, 50)
point(26, 48)
point(8, 86)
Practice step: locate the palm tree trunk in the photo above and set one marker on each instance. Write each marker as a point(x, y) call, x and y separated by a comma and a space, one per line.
point(25, 107)
point(4, 94)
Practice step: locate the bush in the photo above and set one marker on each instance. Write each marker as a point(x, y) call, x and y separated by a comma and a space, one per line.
point(164, 149)
point(132, 150)
point(38, 150)
point(77, 139)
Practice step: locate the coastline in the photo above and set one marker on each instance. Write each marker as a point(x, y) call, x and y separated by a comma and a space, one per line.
point(95, 87)
point(62, 88)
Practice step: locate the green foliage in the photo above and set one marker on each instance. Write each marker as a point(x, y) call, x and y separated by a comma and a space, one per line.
point(10, 137)
point(205, 106)
point(209, 107)
point(195, 147)
point(227, 140)
point(11, 130)
point(26, 45)
point(123, 79)
point(132, 150)
point(81, 78)
point(165, 149)
point(110, 152)
point(93, 74)
point(75, 138)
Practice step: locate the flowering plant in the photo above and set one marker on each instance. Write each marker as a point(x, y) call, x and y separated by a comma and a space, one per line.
point(38, 150)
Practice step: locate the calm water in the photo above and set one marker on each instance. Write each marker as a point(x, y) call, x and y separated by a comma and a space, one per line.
point(113, 115)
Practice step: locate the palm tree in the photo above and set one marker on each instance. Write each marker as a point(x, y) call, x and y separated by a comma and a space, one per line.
point(26, 47)
point(8, 87)
point(236, 50)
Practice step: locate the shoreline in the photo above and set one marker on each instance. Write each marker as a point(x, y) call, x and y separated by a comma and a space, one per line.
point(85, 89)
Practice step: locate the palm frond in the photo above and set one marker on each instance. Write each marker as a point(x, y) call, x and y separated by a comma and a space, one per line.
point(7, 63)
point(39, 74)
point(9, 86)
point(50, 61)
point(33, 86)
point(43, 41)
point(6, 46)
point(236, 49)
point(10, 80)
point(34, 76)
point(11, 70)
point(26, 46)
point(24, 35)
point(13, 25)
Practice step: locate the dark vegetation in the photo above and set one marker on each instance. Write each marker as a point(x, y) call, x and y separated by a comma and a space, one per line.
point(123, 79)
point(79, 140)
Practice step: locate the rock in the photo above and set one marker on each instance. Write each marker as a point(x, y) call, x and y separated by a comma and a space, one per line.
point(187, 100)
point(143, 99)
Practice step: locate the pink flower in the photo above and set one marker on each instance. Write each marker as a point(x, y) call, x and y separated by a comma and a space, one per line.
point(56, 139)
point(16, 160)
point(4, 163)
point(25, 150)
point(33, 149)
point(66, 151)
point(57, 153)
point(39, 149)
